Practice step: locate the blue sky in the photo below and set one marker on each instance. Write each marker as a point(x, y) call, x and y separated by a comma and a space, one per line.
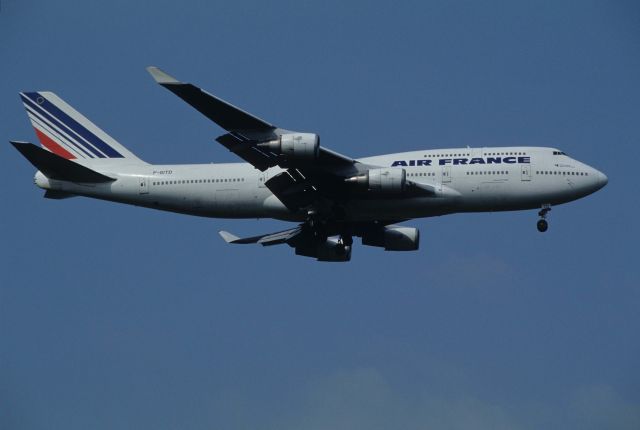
point(122, 317)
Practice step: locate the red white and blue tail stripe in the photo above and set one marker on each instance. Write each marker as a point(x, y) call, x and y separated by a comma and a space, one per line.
point(66, 132)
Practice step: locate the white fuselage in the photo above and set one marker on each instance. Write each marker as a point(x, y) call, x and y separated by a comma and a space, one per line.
point(484, 179)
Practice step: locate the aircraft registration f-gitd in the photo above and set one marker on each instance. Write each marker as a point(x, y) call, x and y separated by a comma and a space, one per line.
point(289, 176)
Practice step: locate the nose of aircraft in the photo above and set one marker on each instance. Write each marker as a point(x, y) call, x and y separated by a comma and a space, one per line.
point(602, 179)
point(598, 180)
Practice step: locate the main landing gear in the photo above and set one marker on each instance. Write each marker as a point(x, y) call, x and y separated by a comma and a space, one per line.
point(542, 224)
point(346, 239)
point(320, 230)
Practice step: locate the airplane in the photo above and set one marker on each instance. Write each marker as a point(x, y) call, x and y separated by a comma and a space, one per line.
point(289, 176)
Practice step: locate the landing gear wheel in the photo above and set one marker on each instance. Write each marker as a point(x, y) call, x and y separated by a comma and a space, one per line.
point(346, 240)
point(320, 234)
point(315, 227)
point(542, 225)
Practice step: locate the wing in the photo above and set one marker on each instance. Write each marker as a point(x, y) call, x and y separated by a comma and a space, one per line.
point(330, 249)
point(247, 134)
point(265, 239)
point(332, 246)
point(313, 174)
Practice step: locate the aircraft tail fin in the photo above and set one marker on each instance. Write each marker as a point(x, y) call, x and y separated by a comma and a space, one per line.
point(67, 133)
point(56, 167)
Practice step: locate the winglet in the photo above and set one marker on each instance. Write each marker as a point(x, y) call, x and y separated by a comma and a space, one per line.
point(161, 77)
point(228, 237)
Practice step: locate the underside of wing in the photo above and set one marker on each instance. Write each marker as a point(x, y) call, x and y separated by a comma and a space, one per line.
point(334, 242)
point(302, 240)
point(264, 239)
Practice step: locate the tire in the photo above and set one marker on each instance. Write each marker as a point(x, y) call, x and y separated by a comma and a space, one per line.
point(542, 225)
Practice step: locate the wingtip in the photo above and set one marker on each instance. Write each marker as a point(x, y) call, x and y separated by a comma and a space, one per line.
point(228, 237)
point(160, 76)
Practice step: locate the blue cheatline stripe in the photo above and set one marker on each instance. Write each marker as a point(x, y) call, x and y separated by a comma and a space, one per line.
point(55, 134)
point(77, 127)
point(68, 136)
point(35, 116)
point(73, 136)
point(49, 119)
point(57, 117)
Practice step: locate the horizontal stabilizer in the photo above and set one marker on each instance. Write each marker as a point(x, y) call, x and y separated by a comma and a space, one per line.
point(217, 110)
point(58, 195)
point(55, 167)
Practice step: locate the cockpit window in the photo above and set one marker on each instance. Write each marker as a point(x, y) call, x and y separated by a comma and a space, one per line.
point(558, 153)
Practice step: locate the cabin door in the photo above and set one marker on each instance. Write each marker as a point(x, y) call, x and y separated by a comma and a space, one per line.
point(446, 174)
point(263, 178)
point(143, 185)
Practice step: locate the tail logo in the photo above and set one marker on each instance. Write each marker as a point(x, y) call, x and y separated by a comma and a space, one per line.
point(64, 131)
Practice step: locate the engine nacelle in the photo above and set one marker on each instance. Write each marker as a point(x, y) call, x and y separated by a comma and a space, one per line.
point(393, 238)
point(385, 180)
point(299, 146)
point(330, 250)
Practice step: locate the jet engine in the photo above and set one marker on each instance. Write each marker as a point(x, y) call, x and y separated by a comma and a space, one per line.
point(393, 238)
point(385, 180)
point(299, 146)
point(330, 250)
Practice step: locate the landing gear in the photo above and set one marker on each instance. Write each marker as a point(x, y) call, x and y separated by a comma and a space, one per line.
point(542, 223)
point(317, 229)
point(320, 228)
point(346, 240)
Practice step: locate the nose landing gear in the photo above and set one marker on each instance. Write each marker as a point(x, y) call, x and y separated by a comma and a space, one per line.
point(542, 223)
